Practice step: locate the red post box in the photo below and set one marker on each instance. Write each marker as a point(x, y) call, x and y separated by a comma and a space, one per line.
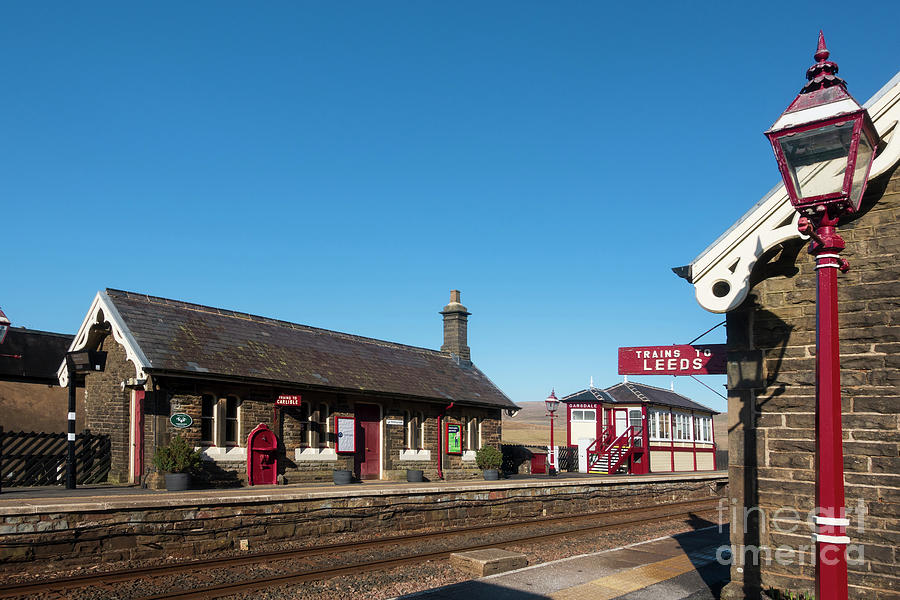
point(262, 463)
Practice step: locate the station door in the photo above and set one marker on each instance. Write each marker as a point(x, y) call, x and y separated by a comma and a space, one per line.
point(368, 448)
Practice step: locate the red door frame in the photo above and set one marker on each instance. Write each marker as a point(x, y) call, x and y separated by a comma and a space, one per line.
point(367, 459)
point(645, 441)
point(137, 435)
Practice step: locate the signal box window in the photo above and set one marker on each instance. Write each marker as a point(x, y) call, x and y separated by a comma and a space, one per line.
point(584, 415)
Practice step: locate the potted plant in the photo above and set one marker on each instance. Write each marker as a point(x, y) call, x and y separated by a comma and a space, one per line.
point(489, 460)
point(178, 461)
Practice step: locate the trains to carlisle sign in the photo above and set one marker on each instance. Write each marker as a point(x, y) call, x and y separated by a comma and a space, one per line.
point(708, 359)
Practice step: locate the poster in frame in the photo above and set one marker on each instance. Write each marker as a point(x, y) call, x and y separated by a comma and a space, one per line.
point(345, 430)
point(453, 435)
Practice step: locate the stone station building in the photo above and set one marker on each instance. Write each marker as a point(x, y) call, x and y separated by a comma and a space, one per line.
point(759, 274)
point(226, 369)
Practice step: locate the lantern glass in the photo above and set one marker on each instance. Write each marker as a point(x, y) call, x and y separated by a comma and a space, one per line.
point(817, 159)
point(551, 404)
point(864, 155)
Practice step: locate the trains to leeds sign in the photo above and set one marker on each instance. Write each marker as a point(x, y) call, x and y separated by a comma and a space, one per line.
point(708, 359)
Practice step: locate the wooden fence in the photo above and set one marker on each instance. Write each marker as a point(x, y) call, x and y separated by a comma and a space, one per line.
point(516, 455)
point(37, 458)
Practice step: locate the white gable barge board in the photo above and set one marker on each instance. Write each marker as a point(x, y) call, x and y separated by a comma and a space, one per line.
point(104, 311)
point(725, 266)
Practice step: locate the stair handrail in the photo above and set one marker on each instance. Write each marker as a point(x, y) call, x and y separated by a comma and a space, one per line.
point(597, 448)
point(626, 450)
point(592, 451)
point(629, 433)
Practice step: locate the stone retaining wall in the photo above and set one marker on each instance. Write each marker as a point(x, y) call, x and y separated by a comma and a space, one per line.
point(200, 524)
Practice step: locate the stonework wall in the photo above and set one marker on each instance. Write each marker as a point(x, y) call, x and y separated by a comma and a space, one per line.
point(107, 407)
point(772, 439)
point(107, 411)
point(142, 528)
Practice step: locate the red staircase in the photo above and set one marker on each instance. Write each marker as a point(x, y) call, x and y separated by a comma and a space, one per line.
point(609, 454)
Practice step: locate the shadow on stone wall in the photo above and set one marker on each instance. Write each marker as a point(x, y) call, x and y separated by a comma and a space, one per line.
point(750, 328)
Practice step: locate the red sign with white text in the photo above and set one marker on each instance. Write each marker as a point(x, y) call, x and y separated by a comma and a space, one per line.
point(707, 359)
point(288, 400)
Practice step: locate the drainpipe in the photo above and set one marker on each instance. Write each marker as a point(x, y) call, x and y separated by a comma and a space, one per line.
point(441, 440)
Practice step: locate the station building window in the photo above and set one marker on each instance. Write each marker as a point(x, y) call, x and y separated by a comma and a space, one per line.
point(323, 426)
point(473, 433)
point(220, 420)
point(231, 421)
point(207, 419)
point(314, 426)
point(303, 424)
point(415, 426)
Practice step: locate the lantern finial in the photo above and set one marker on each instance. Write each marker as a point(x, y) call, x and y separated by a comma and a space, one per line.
point(823, 74)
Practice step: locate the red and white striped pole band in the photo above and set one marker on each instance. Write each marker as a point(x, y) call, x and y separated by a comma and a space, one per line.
point(839, 523)
point(835, 257)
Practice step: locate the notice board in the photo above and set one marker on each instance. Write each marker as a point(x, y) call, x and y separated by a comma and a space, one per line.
point(346, 434)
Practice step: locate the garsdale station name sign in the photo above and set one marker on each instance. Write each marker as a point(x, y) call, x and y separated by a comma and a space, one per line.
point(707, 359)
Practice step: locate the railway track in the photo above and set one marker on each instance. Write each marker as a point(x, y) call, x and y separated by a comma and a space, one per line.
point(502, 535)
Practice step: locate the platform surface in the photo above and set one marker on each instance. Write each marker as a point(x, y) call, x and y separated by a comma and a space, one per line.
point(90, 498)
point(681, 567)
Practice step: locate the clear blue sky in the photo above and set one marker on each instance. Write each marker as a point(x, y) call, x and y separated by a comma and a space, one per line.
point(345, 165)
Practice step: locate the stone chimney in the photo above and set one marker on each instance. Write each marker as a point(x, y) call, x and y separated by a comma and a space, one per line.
point(456, 321)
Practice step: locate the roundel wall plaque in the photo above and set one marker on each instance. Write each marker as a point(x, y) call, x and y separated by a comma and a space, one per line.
point(181, 420)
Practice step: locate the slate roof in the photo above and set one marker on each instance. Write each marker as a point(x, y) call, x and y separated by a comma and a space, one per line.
point(32, 356)
point(589, 395)
point(635, 393)
point(182, 338)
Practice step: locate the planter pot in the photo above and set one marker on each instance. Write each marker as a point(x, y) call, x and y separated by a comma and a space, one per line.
point(342, 477)
point(177, 482)
point(491, 474)
point(415, 475)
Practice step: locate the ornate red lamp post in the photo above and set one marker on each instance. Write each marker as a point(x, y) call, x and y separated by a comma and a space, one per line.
point(824, 143)
point(552, 402)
